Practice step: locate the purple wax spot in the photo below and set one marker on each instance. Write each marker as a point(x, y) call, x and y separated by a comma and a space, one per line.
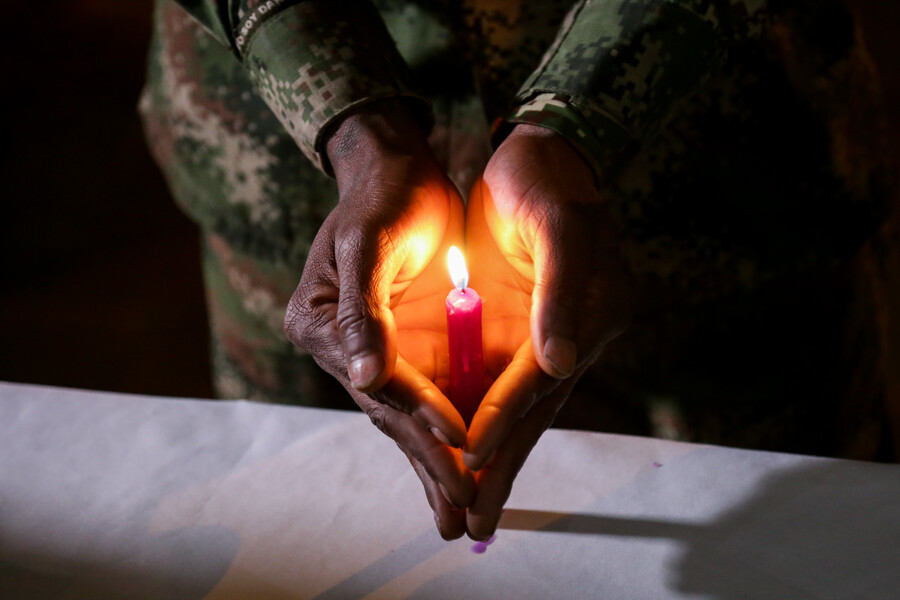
point(481, 547)
point(656, 464)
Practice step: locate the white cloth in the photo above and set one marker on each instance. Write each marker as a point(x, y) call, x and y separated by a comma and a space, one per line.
point(117, 496)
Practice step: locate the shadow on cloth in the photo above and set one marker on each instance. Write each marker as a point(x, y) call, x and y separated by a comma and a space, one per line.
point(829, 531)
point(179, 565)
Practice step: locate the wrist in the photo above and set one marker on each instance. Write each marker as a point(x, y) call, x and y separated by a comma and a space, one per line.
point(381, 127)
point(549, 152)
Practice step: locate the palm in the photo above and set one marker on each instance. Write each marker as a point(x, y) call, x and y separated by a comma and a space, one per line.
point(417, 304)
point(505, 280)
point(544, 259)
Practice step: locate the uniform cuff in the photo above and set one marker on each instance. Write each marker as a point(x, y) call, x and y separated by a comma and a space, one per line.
point(315, 61)
point(600, 140)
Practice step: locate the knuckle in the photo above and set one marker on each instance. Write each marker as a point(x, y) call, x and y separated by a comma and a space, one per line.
point(388, 399)
point(351, 319)
point(298, 321)
point(309, 325)
point(291, 321)
point(400, 398)
point(308, 337)
point(303, 325)
point(378, 415)
point(350, 241)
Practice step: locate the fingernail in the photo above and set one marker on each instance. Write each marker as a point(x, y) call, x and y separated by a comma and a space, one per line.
point(447, 495)
point(474, 462)
point(364, 370)
point(482, 539)
point(471, 461)
point(560, 353)
point(440, 436)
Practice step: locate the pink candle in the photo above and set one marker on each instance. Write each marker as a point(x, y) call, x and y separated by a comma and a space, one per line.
point(464, 335)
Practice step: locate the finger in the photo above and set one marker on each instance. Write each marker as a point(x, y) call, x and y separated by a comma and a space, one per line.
point(512, 396)
point(450, 521)
point(365, 323)
point(495, 479)
point(310, 315)
point(409, 391)
point(309, 326)
point(439, 460)
point(563, 266)
point(586, 287)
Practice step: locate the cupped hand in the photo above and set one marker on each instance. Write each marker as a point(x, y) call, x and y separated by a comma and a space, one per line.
point(369, 306)
point(544, 258)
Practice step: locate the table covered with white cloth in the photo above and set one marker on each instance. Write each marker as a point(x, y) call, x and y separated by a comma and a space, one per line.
point(121, 496)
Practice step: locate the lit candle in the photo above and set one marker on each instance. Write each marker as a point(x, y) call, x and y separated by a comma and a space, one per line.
point(464, 335)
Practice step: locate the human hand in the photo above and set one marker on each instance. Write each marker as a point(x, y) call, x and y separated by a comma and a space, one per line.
point(544, 258)
point(369, 304)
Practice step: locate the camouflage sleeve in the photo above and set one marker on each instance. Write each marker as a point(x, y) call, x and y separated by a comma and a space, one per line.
point(618, 67)
point(311, 60)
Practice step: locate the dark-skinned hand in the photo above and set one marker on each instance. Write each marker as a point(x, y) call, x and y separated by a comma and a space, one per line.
point(369, 306)
point(544, 258)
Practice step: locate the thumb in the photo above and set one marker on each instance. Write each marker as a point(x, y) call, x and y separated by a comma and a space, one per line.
point(581, 295)
point(365, 323)
point(561, 270)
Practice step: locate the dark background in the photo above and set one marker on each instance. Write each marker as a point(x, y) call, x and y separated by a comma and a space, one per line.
point(100, 279)
point(101, 286)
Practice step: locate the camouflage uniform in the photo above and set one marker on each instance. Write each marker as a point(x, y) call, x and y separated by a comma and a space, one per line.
point(729, 137)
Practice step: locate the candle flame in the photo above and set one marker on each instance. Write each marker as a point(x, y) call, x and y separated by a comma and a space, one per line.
point(459, 275)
